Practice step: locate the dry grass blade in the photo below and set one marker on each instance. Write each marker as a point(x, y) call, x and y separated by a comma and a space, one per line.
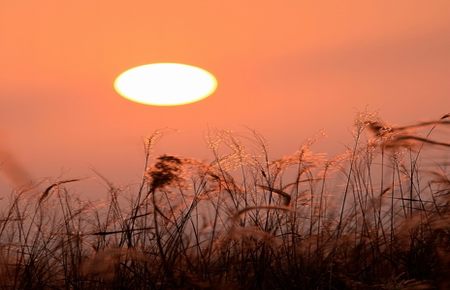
point(420, 139)
point(423, 124)
point(105, 233)
point(250, 208)
point(286, 196)
point(46, 192)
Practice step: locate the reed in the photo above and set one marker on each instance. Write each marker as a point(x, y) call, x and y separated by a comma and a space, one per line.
point(375, 217)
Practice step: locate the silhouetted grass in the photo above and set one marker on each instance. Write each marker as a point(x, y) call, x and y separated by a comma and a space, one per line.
point(375, 217)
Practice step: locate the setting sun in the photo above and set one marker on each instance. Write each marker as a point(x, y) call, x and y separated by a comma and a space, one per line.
point(165, 84)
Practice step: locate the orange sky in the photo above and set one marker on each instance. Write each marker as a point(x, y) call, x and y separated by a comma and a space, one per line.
point(285, 68)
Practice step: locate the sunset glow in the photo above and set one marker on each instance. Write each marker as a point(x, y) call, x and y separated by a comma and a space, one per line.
point(225, 144)
point(165, 84)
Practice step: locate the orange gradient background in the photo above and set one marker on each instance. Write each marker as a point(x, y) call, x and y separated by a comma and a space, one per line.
point(285, 68)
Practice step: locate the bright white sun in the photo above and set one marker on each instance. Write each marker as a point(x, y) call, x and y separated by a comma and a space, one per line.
point(165, 84)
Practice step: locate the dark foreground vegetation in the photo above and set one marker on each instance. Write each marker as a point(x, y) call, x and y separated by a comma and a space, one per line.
point(375, 217)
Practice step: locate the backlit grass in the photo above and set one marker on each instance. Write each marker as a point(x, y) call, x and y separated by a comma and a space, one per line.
point(375, 217)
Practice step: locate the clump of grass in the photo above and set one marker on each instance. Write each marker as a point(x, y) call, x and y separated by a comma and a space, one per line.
point(375, 217)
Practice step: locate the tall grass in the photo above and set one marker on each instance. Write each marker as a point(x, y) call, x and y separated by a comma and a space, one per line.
point(375, 217)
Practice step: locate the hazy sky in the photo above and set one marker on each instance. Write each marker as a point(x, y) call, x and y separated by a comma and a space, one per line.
point(285, 68)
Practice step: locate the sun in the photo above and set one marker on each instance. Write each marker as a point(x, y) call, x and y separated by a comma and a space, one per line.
point(165, 84)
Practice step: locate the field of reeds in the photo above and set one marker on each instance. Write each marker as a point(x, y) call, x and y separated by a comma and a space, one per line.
point(375, 217)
